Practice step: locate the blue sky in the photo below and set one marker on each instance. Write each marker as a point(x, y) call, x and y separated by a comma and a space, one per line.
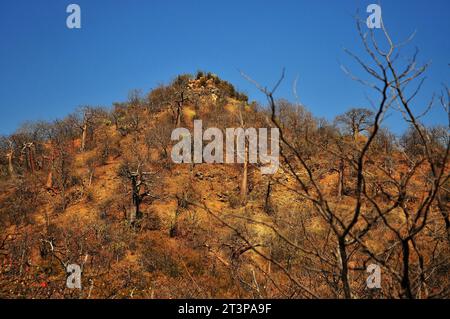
point(47, 70)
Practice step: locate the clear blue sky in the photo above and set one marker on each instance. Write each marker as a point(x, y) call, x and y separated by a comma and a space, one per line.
point(47, 70)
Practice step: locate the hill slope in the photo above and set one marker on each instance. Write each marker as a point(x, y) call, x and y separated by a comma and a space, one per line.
point(99, 189)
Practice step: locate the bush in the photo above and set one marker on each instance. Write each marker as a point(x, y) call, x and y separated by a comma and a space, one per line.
point(234, 201)
point(152, 222)
point(90, 195)
point(158, 259)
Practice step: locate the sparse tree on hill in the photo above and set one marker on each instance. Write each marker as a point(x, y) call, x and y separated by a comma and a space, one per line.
point(356, 120)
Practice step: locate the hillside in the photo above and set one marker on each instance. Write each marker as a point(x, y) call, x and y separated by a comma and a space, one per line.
point(99, 189)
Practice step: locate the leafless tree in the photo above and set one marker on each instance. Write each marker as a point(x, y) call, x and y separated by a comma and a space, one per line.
point(141, 185)
point(10, 156)
point(356, 120)
point(350, 229)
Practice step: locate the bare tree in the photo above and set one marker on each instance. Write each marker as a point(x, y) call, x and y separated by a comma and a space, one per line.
point(10, 156)
point(141, 184)
point(356, 120)
point(244, 179)
point(28, 151)
point(350, 228)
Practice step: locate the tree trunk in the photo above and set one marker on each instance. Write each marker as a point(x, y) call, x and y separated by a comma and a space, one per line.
point(344, 269)
point(10, 165)
point(31, 159)
point(132, 217)
point(10, 156)
point(244, 182)
point(83, 137)
point(135, 199)
point(179, 110)
point(178, 119)
point(267, 205)
point(406, 283)
point(355, 129)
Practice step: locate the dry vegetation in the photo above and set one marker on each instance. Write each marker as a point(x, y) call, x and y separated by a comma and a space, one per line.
point(99, 189)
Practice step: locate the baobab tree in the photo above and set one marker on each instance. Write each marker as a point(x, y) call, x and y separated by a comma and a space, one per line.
point(243, 155)
point(178, 110)
point(9, 157)
point(84, 129)
point(356, 120)
point(140, 184)
point(86, 120)
point(179, 95)
point(28, 151)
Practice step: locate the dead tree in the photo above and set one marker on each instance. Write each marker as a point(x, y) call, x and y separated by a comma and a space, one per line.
point(342, 228)
point(349, 226)
point(416, 216)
